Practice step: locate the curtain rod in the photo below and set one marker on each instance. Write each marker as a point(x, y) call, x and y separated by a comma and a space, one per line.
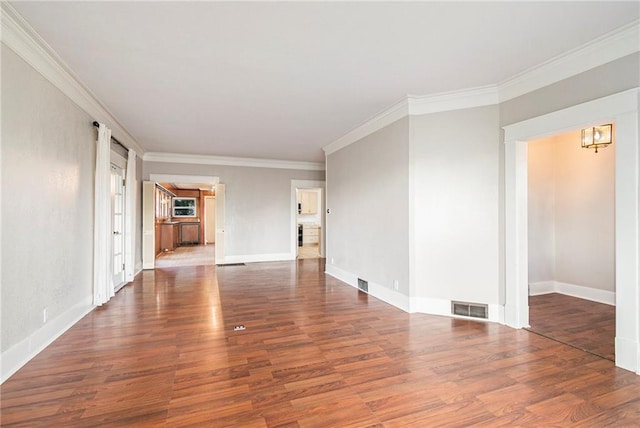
point(97, 125)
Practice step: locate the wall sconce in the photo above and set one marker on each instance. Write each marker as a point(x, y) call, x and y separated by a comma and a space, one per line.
point(598, 136)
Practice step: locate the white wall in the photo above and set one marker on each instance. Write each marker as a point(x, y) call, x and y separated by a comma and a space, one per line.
point(571, 213)
point(48, 151)
point(367, 193)
point(258, 206)
point(455, 164)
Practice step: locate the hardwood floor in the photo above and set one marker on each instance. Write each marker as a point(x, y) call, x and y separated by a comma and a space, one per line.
point(189, 255)
point(590, 326)
point(315, 353)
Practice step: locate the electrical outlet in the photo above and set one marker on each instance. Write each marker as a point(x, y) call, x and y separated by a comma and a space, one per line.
point(396, 284)
point(331, 260)
point(45, 314)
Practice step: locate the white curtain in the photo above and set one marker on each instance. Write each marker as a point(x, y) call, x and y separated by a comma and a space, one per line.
point(102, 239)
point(131, 186)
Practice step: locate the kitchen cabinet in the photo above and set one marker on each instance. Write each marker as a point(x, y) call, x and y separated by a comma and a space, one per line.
point(189, 233)
point(310, 234)
point(168, 236)
point(307, 202)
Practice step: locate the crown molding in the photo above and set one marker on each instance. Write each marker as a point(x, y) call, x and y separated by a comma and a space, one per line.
point(413, 105)
point(386, 117)
point(611, 46)
point(231, 161)
point(21, 38)
point(454, 100)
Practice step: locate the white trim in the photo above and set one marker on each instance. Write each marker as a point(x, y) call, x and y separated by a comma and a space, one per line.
point(580, 291)
point(431, 306)
point(231, 161)
point(622, 109)
point(293, 227)
point(380, 292)
point(572, 118)
point(542, 287)
point(187, 179)
point(455, 100)
point(19, 354)
point(386, 117)
point(257, 258)
point(609, 47)
point(21, 38)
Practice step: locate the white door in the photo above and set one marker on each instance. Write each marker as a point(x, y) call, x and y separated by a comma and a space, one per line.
point(117, 221)
point(209, 219)
point(219, 250)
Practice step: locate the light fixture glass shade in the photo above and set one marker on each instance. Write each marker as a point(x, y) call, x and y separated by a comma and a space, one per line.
point(597, 136)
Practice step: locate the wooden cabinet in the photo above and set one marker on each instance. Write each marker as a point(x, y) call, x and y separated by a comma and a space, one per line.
point(189, 233)
point(307, 202)
point(168, 236)
point(310, 234)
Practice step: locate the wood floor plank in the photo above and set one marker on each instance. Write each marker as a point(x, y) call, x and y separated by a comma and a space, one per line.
point(315, 353)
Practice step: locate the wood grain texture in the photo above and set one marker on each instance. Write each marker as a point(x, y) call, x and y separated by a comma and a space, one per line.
point(315, 353)
point(587, 325)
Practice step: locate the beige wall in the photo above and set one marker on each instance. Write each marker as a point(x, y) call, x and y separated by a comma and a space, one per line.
point(258, 203)
point(367, 192)
point(48, 151)
point(455, 163)
point(577, 187)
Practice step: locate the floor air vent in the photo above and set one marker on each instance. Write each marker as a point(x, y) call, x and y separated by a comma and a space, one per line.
point(363, 285)
point(475, 310)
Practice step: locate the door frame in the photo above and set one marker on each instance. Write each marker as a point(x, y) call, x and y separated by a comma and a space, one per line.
point(307, 184)
point(148, 215)
point(621, 109)
point(118, 161)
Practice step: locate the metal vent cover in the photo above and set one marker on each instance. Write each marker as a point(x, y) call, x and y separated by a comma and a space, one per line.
point(474, 310)
point(363, 285)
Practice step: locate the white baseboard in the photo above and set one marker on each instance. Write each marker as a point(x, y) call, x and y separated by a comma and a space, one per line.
point(387, 295)
point(256, 258)
point(542, 287)
point(19, 354)
point(587, 293)
point(422, 305)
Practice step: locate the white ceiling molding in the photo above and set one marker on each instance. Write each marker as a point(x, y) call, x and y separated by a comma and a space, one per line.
point(21, 38)
point(611, 46)
point(455, 100)
point(386, 117)
point(231, 161)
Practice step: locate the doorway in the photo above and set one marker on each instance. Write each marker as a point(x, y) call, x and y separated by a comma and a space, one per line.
point(621, 109)
point(308, 219)
point(571, 245)
point(178, 212)
point(117, 224)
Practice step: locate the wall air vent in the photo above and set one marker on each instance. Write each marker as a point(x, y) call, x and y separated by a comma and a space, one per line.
point(363, 285)
point(474, 310)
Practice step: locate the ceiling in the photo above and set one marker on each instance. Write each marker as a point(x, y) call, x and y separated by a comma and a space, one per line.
point(280, 80)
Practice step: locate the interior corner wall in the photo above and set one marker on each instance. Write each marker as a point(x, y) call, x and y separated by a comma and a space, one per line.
point(541, 183)
point(48, 156)
point(368, 195)
point(257, 205)
point(455, 174)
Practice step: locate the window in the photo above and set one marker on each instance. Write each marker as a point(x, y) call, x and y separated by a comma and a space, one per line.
point(184, 207)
